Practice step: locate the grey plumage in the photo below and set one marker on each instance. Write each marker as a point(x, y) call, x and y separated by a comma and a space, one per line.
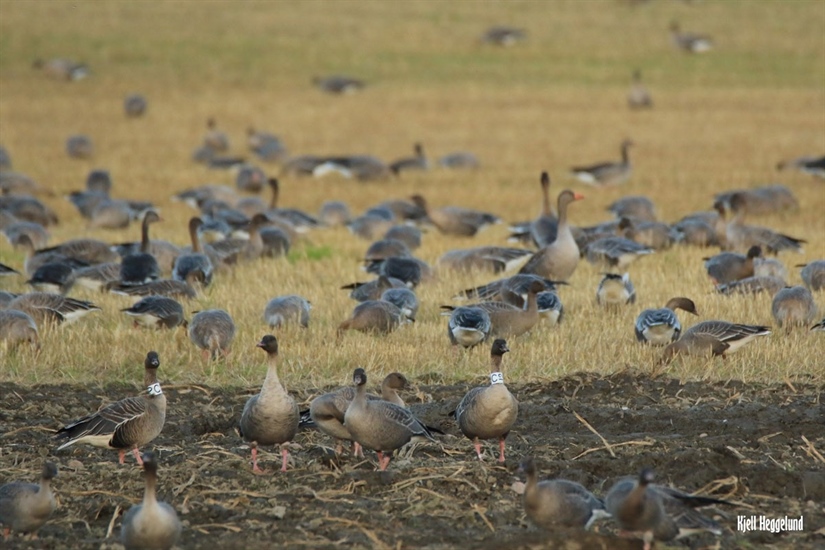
point(813, 275)
point(615, 252)
point(468, 326)
point(195, 260)
point(726, 267)
point(376, 316)
point(162, 287)
point(17, 327)
point(134, 105)
point(373, 290)
point(661, 326)
point(287, 309)
point(156, 312)
point(606, 173)
point(488, 258)
point(716, 337)
point(404, 299)
point(615, 290)
point(44, 307)
point(212, 330)
point(25, 507)
point(794, 306)
point(752, 285)
point(151, 525)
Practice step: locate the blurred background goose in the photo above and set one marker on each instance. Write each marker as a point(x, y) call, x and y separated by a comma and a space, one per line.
point(372, 290)
point(726, 267)
point(501, 35)
point(334, 213)
point(214, 139)
point(25, 507)
point(150, 524)
point(615, 290)
point(126, 424)
point(768, 199)
point(635, 207)
point(615, 252)
point(267, 147)
point(483, 258)
point(639, 97)
point(62, 69)
point(156, 312)
point(17, 327)
point(30, 209)
point(79, 147)
point(415, 163)
point(660, 327)
point(338, 84)
point(752, 285)
point(460, 160)
point(456, 220)
point(283, 310)
point(813, 274)
point(793, 307)
point(134, 105)
point(812, 165)
point(741, 236)
point(270, 417)
point(468, 326)
point(212, 331)
point(163, 287)
point(716, 337)
point(689, 42)
point(606, 173)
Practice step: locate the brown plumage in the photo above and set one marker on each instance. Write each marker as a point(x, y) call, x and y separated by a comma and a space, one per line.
point(212, 330)
point(794, 307)
point(455, 220)
point(17, 327)
point(559, 259)
point(25, 507)
point(151, 524)
point(375, 316)
point(716, 337)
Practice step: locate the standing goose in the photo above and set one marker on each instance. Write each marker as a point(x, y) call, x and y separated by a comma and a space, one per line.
point(270, 417)
point(717, 337)
point(416, 162)
point(17, 327)
point(126, 424)
point(741, 236)
point(542, 230)
point(660, 327)
point(328, 410)
point(375, 316)
point(794, 306)
point(813, 274)
point(555, 503)
point(689, 42)
point(639, 97)
point(288, 309)
point(455, 220)
point(212, 330)
point(511, 321)
point(615, 290)
point(156, 312)
point(468, 326)
point(150, 525)
point(489, 412)
point(658, 512)
point(25, 507)
point(379, 425)
point(44, 307)
point(296, 218)
point(727, 267)
point(606, 173)
point(141, 267)
point(559, 259)
point(195, 260)
point(615, 252)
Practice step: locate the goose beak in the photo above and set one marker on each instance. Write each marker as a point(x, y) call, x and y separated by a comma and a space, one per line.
point(578, 196)
point(259, 345)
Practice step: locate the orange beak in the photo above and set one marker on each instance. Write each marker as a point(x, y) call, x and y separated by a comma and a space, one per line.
point(578, 196)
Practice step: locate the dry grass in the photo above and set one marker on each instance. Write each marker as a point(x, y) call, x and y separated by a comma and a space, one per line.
point(721, 121)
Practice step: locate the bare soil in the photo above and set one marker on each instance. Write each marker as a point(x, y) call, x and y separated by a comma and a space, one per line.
point(736, 441)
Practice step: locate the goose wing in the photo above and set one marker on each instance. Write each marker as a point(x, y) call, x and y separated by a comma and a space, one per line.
point(110, 420)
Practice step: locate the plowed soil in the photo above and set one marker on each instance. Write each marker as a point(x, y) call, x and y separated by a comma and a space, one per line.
point(756, 446)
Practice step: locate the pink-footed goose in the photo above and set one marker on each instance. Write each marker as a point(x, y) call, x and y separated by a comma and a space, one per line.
point(559, 259)
point(25, 507)
point(151, 524)
point(713, 338)
point(794, 307)
point(660, 327)
point(606, 173)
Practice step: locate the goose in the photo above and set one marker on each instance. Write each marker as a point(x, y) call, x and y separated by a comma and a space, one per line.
point(615, 290)
point(769, 267)
point(212, 330)
point(654, 235)
point(370, 226)
point(54, 277)
point(197, 196)
point(214, 139)
point(814, 166)
point(660, 327)
point(483, 258)
point(606, 173)
point(768, 199)
point(379, 425)
point(727, 267)
point(376, 316)
point(819, 326)
point(718, 337)
point(403, 298)
point(550, 307)
point(559, 259)
point(151, 524)
point(460, 160)
point(555, 503)
point(689, 42)
point(402, 210)
point(361, 292)
point(141, 267)
point(250, 179)
point(542, 230)
point(87, 202)
point(455, 220)
point(17, 327)
point(615, 252)
point(635, 207)
point(99, 181)
point(270, 417)
point(134, 105)
point(741, 236)
point(639, 97)
point(489, 412)
point(657, 511)
point(334, 213)
point(517, 284)
point(794, 306)
point(44, 307)
point(62, 69)
point(360, 167)
point(126, 424)
point(27, 208)
point(338, 84)
point(26, 507)
point(15, 183)
point(511, 321)
point(164, 252)
point(87, 251)
point(468, 326)
point(276, 241)
point(410, 270)
point(111, 214)
point(195, 260)
point(295, 217)
point(503, 36)
point(14, 230)
point(6, 298)
point(156, 312)
point(407, 234)
point(79, 147)
point(267, 147)
point(813, 274)
point(414, 163)
point(695, 232)
point(752, 285)
point(327, 411)
point(386, 248)
point(284, 310)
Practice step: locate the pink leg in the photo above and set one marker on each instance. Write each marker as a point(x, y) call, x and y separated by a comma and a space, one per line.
point(383, 461)
point(285, 454)
point(205, 355)
point(137, 456)
point(477, 445)
point(6, 532)
point(501, 449)
point(339, 448)
point(357, 450)
point(121, 455)
point(255, 468)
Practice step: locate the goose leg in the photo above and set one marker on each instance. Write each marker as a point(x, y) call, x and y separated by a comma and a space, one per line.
point(255, 468)
point(477, 445)
point(121, 456)
point(137, 456)
point(6, 532)
point(383, 461)
point(285, 454)
point(501, 449)
point(357, 450)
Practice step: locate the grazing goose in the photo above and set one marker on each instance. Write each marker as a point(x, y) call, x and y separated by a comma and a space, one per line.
point(468, 326)
point(295, 217)
point(134, 105)
point(689, 42)
point(814, 166)
point(14, 230)
point(28, 209)
point(141, 267)
point(794, 306)
point(79, 147)
point(407, 234)
point(716, 337)
point(266, 146)
point(483, 258)
point(517, 284)
point(15, 183)
point(334, 213)
point(695, 232)
point(550, 307)
point(741, 236)
point(156, 312)
point(410, 270)
point(163, 287)
point(455, 220)
point(768, 199)
point(727, 267)
point(660, 327)
point(813, 274)
point(606, 173)
point(386, 248)
point(559, 259)
point(62, 69)
point(214, 139)
point(656, 511)
point(97, 277)
point(636, 207)
point(752, 285)
point(769, 267)
point(195, 260)
point(87, 202)
point(327, 411)
point(44, 307)
point(489, 412)
point(151, 524)
point(503, 36)
point(404, 298)
point(212, 330)
point(379, 425)
point(819, 326)
point(89, 251)
point(338, 84)
point(375, 316)
point(371, 225)
point(360, 167)
point(17, 327)
point(25, 507)
point(284, 310)
point(460, 160)
point(126, 424)
point(56, 277)
point(555, 503)
point(414, 163)
point(250, 179)
point(270, 417)
point(615, 290)
point(655, 235)
point(35, 259)
point(402, 210)
point(373, 290)
point(615, 252)
point(639, 97)
point(111, 214)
